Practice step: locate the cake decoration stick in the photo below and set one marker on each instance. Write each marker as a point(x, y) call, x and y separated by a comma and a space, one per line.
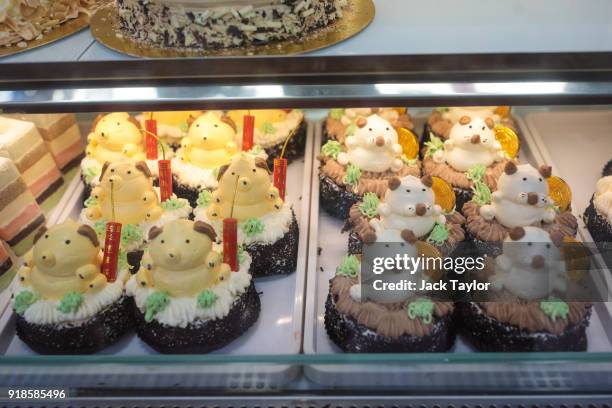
point(112, 241)
point(230, 236)
point(151, 138)
point(280, 169)
point(164, 166)
point(248, 131)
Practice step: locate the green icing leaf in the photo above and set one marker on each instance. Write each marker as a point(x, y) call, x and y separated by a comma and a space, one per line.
point(130, 233)
point(91, 202)
point(207, 298)
point(184, 126)
point(156, 302)
point(349, 266)
point(350, 129)
point(173, 203)
point(438, 235)
point(91, 173)
point(100, 228)
point(268, 128)
point(204, 198)
point(421, 309)
point(435, 144)
point(215, 172)
point(331, 149)
point(442, 109)
point(555, 309)
point(336, 113)
point(369, 205)
point(482, 193)
point(70, 303)
point(409, 162)
point(122, 261)
point(252, 227)
point(255, 151)
point(353, 174)
point(23, 300)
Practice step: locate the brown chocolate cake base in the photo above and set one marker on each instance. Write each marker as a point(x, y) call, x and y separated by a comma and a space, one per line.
point(278, 258)
point(188, 193)
point(100, 331)
point(334, 199)
point(353, 337)
point(489, 334)
point(294, 150)
point(201, 336)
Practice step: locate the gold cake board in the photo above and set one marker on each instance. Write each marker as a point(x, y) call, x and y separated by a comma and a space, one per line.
point(356, 17)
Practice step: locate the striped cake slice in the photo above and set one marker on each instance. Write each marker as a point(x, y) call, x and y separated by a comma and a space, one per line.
point(7, 265)
point(20, 215)
point(21, 142)
point(62, 135)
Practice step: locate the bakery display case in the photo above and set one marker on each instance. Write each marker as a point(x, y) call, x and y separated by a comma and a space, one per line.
point(281, 172)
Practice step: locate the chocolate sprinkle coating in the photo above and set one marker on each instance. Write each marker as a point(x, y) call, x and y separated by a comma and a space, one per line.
point(278, 258)
point(201, 336)
point(353, 337)
point(601, 231)
point(488, 334)
point(294, 150)
point(188, 193)
point(134, 259)
point(334, 199)
point(100, 331)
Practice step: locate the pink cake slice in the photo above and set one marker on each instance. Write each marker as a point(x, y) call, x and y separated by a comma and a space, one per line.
point(6, 261)
point(62, 135)
point(20, 215)
point(21, 142)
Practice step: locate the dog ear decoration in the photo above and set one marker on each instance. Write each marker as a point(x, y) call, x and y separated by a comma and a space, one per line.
point(517, 233)
point(222, 171)
point(39, 233)
point(361, 122)
point(104, 168)
point(427, 181)
point(464, 120)
point(154, 232)
point(134, 122)
point(557, 238)
point(489, 122)
point(206, 229)
point(545, 171)
point(96, 121)
point(228, 121)
point(394, 183)
point(89, 233)
point(142, 166)
point(510, 168)
point(262, 164)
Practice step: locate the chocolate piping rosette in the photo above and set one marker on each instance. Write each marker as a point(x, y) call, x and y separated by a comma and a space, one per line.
point(524, 310)
point(424, 206)
point(267, 226)
point(342, 122)
point(369, 158)
point(186, 299)
point(409, 322)
point(472, 158)
point(525, 197)
point(63, 303)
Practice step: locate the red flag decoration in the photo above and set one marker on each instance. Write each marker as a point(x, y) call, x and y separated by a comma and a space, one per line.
point(230, 243)
point(165, 179)
point(280, 176)
point(151, 139)
point(111, 250)
point(248, 132)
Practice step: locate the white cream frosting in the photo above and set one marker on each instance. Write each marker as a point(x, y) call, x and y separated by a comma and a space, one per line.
point(199, 178)
point(470, 144)
point(509, 203)
point(45, 311)
point(276, 225)
point(373, 147)
point(516, 272)
point(180, 312)
point(398, 211)
point(167, 216)
point(603, 197)
point(453, 114)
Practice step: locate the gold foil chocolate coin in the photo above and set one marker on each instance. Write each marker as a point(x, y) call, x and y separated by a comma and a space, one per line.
point(445, 196)
point(508, 139)
point(560, 192)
